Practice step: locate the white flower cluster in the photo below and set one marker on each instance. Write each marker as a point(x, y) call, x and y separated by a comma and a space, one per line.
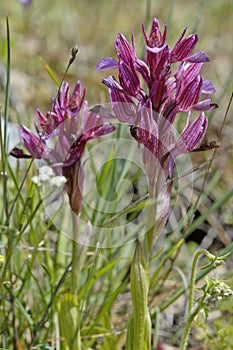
point(47, 175)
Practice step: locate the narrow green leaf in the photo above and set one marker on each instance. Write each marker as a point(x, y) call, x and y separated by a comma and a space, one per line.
point(51, 73)
point(20, 307)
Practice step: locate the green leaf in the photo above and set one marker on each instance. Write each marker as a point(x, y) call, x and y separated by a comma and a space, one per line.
point(139, 330)
point(68, 320)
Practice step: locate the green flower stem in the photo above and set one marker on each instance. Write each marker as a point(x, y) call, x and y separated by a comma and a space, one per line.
point(139, 329)
point(190, 312)
point(76, 251)
point(152, 232)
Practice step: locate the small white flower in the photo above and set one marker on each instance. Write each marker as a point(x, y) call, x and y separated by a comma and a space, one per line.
point(45, 170)
point(36, 181)
point(58, 181)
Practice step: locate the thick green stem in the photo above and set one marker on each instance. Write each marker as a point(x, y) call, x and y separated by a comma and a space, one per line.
point(139, 329)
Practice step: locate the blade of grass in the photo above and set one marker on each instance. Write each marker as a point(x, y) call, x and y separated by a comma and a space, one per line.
point(20, 307)
point(6, 115)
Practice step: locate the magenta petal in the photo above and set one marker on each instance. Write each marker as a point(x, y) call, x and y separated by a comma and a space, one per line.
point(183, 48)
point(192, 135)
point(78, 147)
point(190, 94)
point(205, 105)
point(76, 151)
point(129, 79)
point(35, 146)
point(76, 100)
point(198, 57)
point(100, 130)
point(123, 49)
point(41, 118)
point(208, 87)
point(123, 106)
point(143, 69)
point(107, 63)
point(63, 95)
point(187, 72)
point(112, 83)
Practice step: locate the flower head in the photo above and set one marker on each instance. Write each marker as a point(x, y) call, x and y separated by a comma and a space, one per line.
point(72, 135)
point(154, 84)
point(149, 94)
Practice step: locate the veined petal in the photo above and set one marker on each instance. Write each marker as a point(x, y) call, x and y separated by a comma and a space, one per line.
point(189, 95)
point(128, 78)
point(208, 87)
point(50, 122)
point(123, 106)
point(112, 83)
point(183, 48)
point(156, 37)
point(107, 63)
point(93, 125)
point(101, 130)
point(192, 135)
point(205, 105)
point(143, 69)
point(145, 129)
point(186, 72)
point(198, 57)
point(78, 147)
point(123, 49)
point(41, 119)
point(76, 100)
point(35, 146)
point(63, 95)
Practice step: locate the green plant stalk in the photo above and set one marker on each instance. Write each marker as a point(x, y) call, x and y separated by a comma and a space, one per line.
point(76, 251)
point(6, 114)
point(201, 274)
point(139, 329)
point(190, 312)
point(159, 191)
point(188, 324)
point(7, 97)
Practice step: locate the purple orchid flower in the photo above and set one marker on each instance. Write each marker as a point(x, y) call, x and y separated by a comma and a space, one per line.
point(62, 122)
point(149, 94)
point(167, 94)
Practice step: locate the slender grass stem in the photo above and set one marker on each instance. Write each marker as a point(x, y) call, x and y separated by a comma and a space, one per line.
point(190, 312)
point(43, 317)
point(6, 115)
